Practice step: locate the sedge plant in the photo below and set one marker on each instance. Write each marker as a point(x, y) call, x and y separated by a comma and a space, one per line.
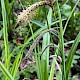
point(8, 70)
point(43, 69)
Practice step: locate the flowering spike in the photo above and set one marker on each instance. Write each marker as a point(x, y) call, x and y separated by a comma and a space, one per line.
point(26, 15)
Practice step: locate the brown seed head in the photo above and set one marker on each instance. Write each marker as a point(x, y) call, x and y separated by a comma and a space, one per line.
point(26, 15)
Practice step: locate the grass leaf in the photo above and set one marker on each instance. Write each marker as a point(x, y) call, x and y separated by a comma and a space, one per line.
point(71, 54)
point(5, 71)
point(16, 64)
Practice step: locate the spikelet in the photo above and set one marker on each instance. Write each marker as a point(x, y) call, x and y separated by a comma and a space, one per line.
point(26, 15)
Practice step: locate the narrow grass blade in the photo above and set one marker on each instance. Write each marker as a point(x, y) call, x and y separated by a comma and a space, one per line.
point(7, 6)
point(37, 57)
point(38, 23)
point(58, 21)
point(16, 64)
point(5, 71)
point(58, 76)
point(38, 65)
point(52, 70)
point(45, 56)
point(71, 54)
point(49, 17)
point(64, 1)
point(5, 33)
point(70, 16)
point(1, 32)
point(61, 44)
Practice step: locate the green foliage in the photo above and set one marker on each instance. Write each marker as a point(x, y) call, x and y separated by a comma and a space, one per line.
point(65, 19)
point(71, 53)
point(15, 66)
point(5, 71)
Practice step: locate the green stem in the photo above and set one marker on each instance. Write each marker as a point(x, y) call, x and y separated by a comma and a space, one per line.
point(61, 44)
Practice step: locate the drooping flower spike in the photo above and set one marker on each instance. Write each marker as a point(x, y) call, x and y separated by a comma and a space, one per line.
point(26, 15)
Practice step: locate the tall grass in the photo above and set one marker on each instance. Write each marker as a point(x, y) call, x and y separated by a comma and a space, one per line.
point(8, 74)
point(5, 32)
point(43, 69)
point(61, 44)
point(5, 71)
point(65, 70)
